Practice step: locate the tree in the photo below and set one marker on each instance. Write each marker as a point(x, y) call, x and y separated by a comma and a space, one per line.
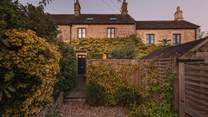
point(15, 15)
point(203, 34)
point(40, 22)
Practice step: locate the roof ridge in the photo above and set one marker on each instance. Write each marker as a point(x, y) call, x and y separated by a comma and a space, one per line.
point(152, 20)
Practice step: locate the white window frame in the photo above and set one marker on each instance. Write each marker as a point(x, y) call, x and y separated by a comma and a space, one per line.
point(177, 38)
point(111, 32)
point(81, 33)
point(150, 38)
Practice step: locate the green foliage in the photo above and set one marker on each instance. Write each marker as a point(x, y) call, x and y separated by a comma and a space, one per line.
point(123, 53)
point(130, 47)
point(108, 85)
point(53, 114)
point(127, 96)
point(10, 15)
point(15, 15)
point(95, 94)
point(157, 95)
point(28, 67)
point(165, 43)
point(68, 69)
point(40, 22)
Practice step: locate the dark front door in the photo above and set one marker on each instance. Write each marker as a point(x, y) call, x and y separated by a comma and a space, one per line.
point(81, 64)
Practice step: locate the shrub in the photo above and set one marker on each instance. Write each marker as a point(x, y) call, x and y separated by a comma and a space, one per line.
point(28, 66)
point(127, 96)
point(95, 94)
point(68, 69)
point(113, 82)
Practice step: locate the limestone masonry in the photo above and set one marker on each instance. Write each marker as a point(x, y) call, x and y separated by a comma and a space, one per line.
point(81, 26)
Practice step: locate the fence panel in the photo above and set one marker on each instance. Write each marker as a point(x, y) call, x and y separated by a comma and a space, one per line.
point(193, 89)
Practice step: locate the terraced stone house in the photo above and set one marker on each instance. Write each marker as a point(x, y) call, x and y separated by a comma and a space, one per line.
point(83, 26)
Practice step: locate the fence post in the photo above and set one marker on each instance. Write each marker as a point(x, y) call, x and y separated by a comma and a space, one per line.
point(181, 90)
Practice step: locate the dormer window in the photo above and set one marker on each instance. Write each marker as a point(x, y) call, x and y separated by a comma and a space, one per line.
point(113, 19)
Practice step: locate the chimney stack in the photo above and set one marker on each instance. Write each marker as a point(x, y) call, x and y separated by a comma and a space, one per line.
point(124, 8)
point(179, 14)
point(77, 8)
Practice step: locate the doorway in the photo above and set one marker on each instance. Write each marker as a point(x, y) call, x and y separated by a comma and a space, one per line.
point(81, 64)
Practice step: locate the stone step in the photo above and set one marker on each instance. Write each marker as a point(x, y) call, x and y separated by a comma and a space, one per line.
point(78, 99)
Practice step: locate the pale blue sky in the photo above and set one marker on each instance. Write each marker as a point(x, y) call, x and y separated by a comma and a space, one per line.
point(195, 11)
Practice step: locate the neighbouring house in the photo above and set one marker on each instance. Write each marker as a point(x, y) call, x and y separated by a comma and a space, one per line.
point(81, 26)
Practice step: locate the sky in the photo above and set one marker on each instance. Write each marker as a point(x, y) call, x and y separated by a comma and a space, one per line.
point(194, 11)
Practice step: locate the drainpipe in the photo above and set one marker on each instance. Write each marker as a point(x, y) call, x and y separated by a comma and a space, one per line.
point(70, 38)
point(195, 34)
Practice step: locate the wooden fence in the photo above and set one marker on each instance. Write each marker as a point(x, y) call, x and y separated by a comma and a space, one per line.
point(164, 67)
point(193, 85)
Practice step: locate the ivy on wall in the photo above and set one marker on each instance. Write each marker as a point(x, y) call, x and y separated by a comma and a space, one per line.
point(96, 47)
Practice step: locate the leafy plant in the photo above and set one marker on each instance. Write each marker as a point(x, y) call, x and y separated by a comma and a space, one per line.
point(123, 53)
point(95, 94)
point(113, 80)
point(28, 66)
point(129, 47)
point(15, 15)
point(156, 93)
point(68, 69)
point(53, 114)
point(127, 96)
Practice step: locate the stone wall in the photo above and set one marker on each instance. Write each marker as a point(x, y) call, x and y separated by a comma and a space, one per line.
point(187, 34)
point(95, 31)
point(68, 32)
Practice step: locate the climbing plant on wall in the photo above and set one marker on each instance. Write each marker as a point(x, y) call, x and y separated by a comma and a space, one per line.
point(96, 47)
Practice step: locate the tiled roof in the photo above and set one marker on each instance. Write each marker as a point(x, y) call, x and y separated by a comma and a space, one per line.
point(92, 19)
point(165, 25)
point(174, 51)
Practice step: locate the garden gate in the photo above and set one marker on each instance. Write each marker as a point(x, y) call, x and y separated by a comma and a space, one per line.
point(193, 89)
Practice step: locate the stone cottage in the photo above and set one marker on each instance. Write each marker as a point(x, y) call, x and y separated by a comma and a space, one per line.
point(81, 26)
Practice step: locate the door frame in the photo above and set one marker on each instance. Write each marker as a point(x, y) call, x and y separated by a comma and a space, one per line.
point(80, 53)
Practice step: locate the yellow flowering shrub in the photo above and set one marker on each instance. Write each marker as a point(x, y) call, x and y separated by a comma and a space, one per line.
point(32, 56)
point(111, 79)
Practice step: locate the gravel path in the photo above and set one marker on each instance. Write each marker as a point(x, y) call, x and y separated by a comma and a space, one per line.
point(80, 109)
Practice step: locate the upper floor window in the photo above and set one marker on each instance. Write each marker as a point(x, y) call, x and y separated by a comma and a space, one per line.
point(81, 33)
point(150, 38)
point(111, 32)
point(176, 39)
